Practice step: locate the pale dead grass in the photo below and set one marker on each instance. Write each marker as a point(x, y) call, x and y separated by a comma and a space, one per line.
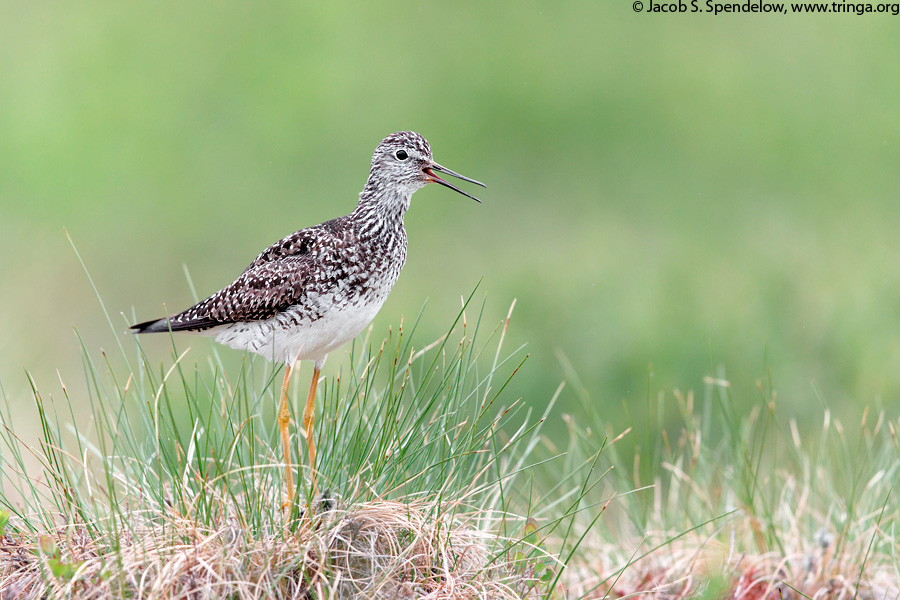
point(694, 566)
point(371, 550)
point(820, 528)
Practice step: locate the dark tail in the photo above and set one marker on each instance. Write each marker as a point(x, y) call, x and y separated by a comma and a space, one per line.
point(176, 323)
point(154, 326)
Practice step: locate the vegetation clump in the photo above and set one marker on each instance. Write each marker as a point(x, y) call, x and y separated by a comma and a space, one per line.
point(437, 486)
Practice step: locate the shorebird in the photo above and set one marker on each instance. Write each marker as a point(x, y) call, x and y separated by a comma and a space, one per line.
point(311, 292)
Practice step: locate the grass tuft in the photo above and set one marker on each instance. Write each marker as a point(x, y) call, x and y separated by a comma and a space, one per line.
point(171, 484)
point(745, 507)
point(165, 480)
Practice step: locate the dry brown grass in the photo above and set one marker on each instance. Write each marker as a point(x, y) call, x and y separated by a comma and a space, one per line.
point(371, 550)
point(696, 566)
point(757, 517)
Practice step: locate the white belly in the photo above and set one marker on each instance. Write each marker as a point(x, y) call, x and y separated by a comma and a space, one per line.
point(281, 339)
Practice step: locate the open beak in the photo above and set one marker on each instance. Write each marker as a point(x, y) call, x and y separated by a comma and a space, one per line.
point(430, 169)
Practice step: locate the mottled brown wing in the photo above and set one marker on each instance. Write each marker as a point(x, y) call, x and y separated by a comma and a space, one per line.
point(276, 280)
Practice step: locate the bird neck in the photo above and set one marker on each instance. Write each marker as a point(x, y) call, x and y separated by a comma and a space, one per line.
point(380, 209)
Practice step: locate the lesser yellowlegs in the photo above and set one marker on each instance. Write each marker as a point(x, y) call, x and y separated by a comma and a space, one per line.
point(316, 289)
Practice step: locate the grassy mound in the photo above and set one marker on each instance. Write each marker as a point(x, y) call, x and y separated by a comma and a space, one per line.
point(166, 482)
point(429, 477)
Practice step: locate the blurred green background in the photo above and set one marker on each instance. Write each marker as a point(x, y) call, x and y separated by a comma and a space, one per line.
point(668, 194)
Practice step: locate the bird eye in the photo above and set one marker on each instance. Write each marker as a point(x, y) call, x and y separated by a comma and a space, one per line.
point(401, 155)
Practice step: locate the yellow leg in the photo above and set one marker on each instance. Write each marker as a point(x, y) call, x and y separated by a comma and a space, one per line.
point(284, 419)
point(309, 418)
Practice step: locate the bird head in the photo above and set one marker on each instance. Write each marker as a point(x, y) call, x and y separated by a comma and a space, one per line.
point(403, 160)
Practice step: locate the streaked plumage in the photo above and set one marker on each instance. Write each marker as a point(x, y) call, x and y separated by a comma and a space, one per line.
point(316, 289)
